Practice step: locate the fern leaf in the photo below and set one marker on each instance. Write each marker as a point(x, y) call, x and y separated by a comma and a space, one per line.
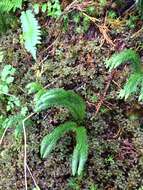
point(131, 86)
point(49, 141)
point(60, 97)
point(80, 153)
point(8, 5)
point(31, 32)
point(122, 57)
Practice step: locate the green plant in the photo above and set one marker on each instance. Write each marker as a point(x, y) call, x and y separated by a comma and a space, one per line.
point(15, 122)
point(102, 2)
point(93, 187)
point(141, 188)
point(136, 78)
point(131, 22)
point(61, 97)
point(10, 102)
point(140, 5)
point(6, 78)
point(74, 183)
point(31, 31)
point(8, 5)
point(75, 104)
point(52, 8)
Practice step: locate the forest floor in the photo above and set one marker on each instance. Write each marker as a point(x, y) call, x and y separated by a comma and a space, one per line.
point(115, 127)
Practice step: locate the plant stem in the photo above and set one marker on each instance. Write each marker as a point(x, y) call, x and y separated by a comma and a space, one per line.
point(25, 150)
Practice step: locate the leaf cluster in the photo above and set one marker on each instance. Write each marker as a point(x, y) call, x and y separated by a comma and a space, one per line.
point(76, 106)
point(135, 82)
point(10, 5)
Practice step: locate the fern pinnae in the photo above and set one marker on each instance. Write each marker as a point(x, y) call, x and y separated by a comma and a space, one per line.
point(122, 57)
point(31, 32)
point(80, 153)
point(131, 85)
point(60, 97)
point(135, 80)
point(8, 5)
point(49, 141)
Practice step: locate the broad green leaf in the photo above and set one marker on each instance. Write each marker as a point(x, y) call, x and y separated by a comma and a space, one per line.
point(49, 141)
point(80, 153)
point(65, 98)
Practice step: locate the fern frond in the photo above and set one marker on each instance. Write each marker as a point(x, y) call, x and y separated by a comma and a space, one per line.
point(131, 86)
point(122, 57)
point(31, 32)
point(135, 80)
point(80, 153)
point(60, 97)
point(49, 141)
point(8, 5)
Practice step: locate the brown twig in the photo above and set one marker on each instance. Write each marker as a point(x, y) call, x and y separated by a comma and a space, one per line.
point(105, 92)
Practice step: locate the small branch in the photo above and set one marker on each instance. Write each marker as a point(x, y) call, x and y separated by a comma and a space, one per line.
point(6, 94)
point(105, 92)
point(3, 135)
point(36, 185)
point(25, 150)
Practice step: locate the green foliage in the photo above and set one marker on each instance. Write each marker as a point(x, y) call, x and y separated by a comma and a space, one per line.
point(49, 141)
point(75, 104)
point(93, 187)
point(74, 183)
point(15, 121)
point(6, 78)
point(102, 2)
point(52, 8)
point(80, 153)
point(131, 22)
point(13, 102)
point(36, 88)
point(140, 5)
point(136, 78)
point(60, 97)
point(141, 188)
point(112, 14)
point(10, 102)
point(8, 5)
point(122, 57)
point(31, 32)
